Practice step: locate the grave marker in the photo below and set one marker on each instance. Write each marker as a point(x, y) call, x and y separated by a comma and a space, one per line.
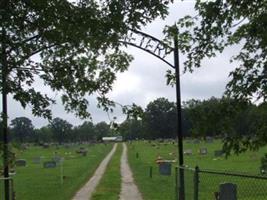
point(203, 151)
point(209, 140)
point(45, 145)
point(196, 141)
point(57, 159)
point(49, 164)
point(36, 160)
point(82, 151)
point(228, 191)
point(188, 152)
point(21, 163)
point(165, 168)
point(218, 153)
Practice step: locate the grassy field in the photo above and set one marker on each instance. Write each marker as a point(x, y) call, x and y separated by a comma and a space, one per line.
point(163, 187)
point(110, 184)
point(34, 182)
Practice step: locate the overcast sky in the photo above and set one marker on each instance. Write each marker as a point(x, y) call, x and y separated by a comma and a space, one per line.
point(145, 80)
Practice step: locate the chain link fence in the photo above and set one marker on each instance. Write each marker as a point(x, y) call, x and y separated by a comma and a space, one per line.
point(204, 184)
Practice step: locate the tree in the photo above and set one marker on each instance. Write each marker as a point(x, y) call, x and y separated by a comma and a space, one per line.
point(208, 117)
point(249, 130)
point(60, 129)
point(102, 129)
point(77, 46)
point(219, 25)
point(132, 129)
point(44, 134)
point(22, 128)
point(86, 132)
point(160, 118)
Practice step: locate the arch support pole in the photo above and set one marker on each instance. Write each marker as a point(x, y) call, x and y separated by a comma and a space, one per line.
point(181, 188)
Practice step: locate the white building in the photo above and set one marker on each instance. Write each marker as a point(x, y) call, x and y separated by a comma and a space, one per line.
point(112, 139)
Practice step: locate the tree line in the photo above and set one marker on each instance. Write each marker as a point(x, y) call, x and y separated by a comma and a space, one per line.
point(58, 130)
point(226, 118)
point(239, 123)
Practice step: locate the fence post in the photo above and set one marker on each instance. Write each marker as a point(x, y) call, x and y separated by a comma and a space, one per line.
point(196, 182)
point(176, 183)
point(150, 171)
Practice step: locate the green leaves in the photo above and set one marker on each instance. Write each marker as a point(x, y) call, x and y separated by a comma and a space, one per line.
point(72, 47)
point(219, 24)
point(171, 79)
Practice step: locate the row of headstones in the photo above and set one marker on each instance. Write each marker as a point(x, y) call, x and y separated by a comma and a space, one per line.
point(204, 151)
point(56, 159)
point(227, 191)
point(66, 145)
point(172, 141)
point(197, 141)
point(47, 164)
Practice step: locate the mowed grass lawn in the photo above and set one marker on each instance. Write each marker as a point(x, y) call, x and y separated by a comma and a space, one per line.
point(110, 184)
point(34, 182)
point(163, 187)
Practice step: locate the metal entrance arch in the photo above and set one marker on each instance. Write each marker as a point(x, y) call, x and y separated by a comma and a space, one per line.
point(160, 50)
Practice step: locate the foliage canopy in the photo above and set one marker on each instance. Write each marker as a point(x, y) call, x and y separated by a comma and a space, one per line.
point(73, 46)
point(220, 24)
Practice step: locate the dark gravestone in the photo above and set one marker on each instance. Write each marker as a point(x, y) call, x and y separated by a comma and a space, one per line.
point(227, 191)
point(218, 153)
point(21, 163)
point(82, 151)
point(36, 160)
point(46, 145)
point(50, 164)
point(165, 168)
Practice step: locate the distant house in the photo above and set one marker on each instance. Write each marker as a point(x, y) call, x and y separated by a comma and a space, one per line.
point(112, 139)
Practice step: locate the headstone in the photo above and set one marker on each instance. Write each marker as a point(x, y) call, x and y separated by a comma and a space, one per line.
point(209, 140)
point(203, 151)
point(165, 168)
point(50, 164)
point(188, 152)
point(196, 141)
point(36, 160)
point(24, 147)
point(46, 145)
point(218, 153)
point(82, 151)
point(21, 163)
point(57, 159)
point(12, 172)
point(228, 191)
